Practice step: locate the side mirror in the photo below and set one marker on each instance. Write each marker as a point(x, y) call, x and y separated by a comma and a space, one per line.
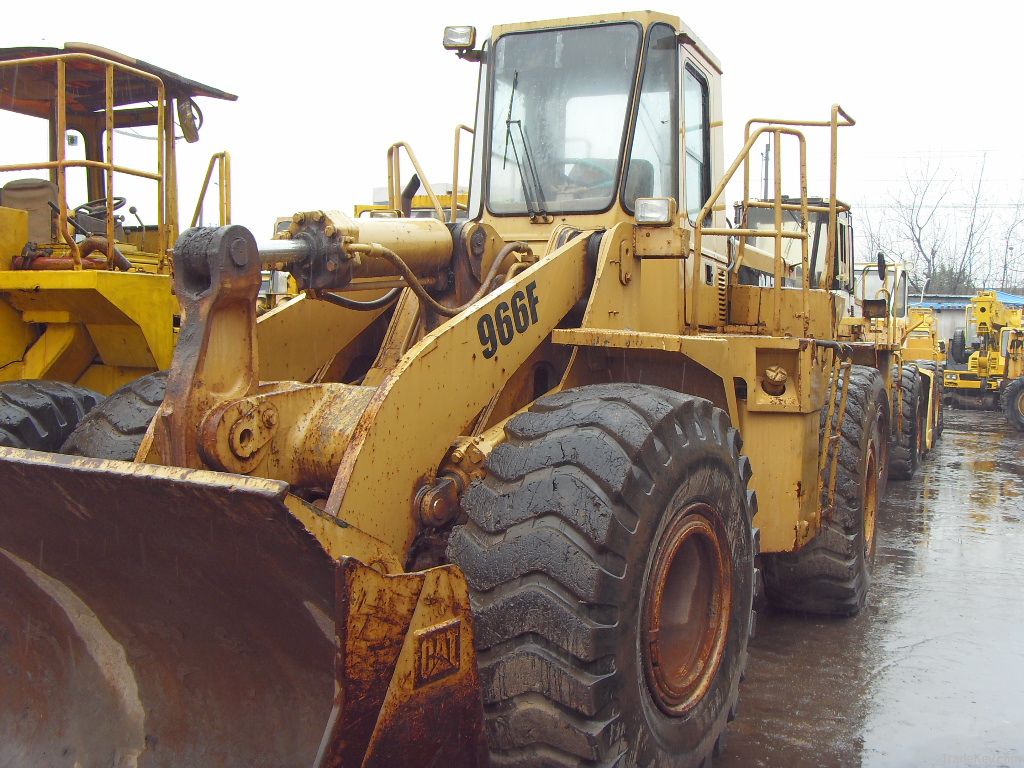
point(190, 118)
point(881, 266)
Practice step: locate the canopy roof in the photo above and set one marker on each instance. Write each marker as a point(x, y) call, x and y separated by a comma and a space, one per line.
point(30, 88)
point(956, 301)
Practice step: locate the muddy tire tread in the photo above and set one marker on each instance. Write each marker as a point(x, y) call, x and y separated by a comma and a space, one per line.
point(39, 414)
point(904, 457)
point(825, 576)
point(114, 430)
point(1009, 398)
point(940, 391)
point(542, 573)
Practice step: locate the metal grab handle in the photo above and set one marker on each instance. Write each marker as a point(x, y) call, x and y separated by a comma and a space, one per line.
point(455, 169)
point(395, 179)
point(223, 162)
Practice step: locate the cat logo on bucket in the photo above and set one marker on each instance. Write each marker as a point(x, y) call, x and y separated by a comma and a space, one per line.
point(438, 652)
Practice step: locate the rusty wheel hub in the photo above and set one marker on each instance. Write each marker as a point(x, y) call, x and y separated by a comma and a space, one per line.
point(686, 610)
point(870, 497)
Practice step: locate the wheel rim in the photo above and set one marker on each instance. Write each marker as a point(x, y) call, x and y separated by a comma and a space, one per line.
point(870, 498)
point(1020, 404)
point(686, 610)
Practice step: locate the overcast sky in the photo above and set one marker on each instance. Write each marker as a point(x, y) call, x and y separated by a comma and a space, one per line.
point(324, 88)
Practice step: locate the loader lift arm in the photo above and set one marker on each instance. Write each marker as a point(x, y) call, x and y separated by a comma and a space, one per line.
point(405, 666)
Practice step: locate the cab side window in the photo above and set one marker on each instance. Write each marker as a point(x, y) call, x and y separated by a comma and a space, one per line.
point(698, 140)
point(900, 297)
point(653, 158)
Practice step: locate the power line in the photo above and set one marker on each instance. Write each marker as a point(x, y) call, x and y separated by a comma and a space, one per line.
point(965, 207)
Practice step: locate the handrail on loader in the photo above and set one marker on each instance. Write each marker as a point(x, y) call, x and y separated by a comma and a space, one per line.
point(223, 162)
point(395, 179)
point(59, 166)
point(455, 171)
point(778, 128)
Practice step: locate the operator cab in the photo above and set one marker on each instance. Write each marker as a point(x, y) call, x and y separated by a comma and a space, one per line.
point(81, 96)
point(582, 117)
point(763, 218)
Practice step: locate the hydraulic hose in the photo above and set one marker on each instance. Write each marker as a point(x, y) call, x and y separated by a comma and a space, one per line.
point(362, 306)
point(421, 293)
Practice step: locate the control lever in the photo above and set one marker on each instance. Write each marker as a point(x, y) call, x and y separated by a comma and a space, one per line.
point(135, 212)
point(71, 220)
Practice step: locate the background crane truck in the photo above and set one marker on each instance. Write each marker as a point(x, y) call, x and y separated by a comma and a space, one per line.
point(995, 363)
point(86, 302)
point(513, 517)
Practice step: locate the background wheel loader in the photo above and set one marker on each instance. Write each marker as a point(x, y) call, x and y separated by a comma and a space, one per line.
point(915, 384)
point(924, 349)
point(86, 301)
point(878, 314)
point(509, 515)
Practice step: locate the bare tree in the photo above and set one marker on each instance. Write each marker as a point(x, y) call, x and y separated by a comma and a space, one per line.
point(1009, 275)
point(914, 215)
point(948, 233)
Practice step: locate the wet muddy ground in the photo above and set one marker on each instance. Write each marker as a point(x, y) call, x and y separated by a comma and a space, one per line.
point(931, 673)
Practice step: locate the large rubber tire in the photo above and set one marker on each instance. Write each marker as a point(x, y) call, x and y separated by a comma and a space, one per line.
point(938, 392)
point(39, 414)
point(115, 429)
point(831, 574)
point(958, 349)
point(905, 452)
point(1013, 403)
point(563, 536)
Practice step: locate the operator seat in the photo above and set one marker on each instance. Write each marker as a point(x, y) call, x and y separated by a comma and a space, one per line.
point(34, 196)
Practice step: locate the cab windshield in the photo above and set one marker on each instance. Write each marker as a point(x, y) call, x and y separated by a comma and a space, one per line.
point(559, 111)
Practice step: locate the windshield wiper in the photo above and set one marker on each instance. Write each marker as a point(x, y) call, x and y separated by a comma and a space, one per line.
point(533, 192)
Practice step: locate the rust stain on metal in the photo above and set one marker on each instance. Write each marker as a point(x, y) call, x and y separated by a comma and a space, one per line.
point(682, 647)
point(407, 687)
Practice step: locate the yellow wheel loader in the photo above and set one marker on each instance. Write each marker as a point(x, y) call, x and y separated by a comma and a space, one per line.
point(510, 515)
point(888, 320)
point(878, 314)
point(927, 351)
point(86, 302)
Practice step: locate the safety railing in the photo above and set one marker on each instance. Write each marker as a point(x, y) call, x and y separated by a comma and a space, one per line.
point(776, 129)
point(222, 162)
point(455, 170)
point(395, 179)
point(58, 167)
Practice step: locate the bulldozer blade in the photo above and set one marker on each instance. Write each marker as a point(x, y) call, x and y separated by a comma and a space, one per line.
point(155, 616)
point(158, 616)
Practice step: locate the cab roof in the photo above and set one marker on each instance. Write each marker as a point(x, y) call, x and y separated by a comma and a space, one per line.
point(30, 88)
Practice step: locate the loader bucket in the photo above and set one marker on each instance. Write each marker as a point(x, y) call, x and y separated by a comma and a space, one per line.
point(158, 616)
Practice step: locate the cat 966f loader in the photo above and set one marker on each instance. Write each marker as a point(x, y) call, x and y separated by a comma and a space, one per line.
point(512, 517)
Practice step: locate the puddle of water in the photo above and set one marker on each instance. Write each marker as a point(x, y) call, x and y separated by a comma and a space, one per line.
point(932, 671)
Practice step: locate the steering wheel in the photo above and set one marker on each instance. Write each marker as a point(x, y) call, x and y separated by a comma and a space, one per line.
point(599, 174)
point(585, 176)
point(98, 207)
